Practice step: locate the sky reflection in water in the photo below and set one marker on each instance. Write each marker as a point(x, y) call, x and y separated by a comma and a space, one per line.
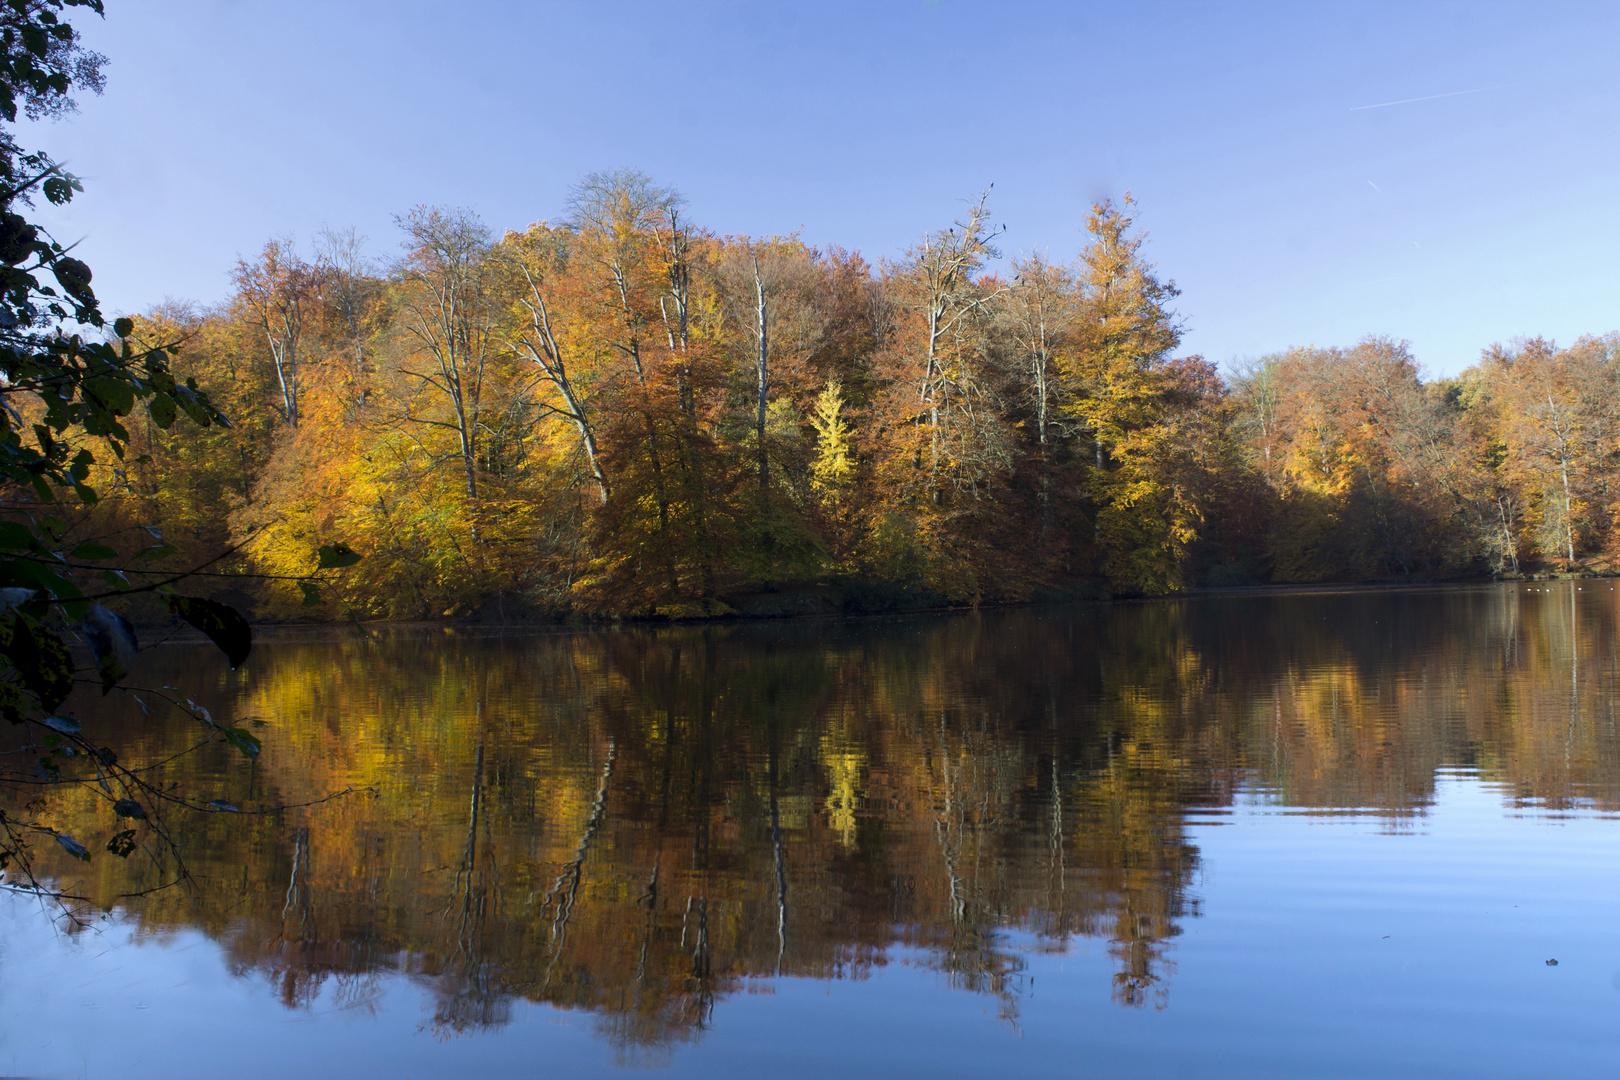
point(1330, 835)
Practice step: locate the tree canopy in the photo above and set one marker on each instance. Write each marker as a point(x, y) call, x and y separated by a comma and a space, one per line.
point(621, 413)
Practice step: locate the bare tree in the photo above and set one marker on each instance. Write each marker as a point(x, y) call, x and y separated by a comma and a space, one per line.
point(770, 286)
point(449, 317)
point(538, 341)
point(620, 219)
point(276, 289)
point(344, 271)
point(937, 280)
point(1254, 383)
point(1039, 311)
point(613, 213)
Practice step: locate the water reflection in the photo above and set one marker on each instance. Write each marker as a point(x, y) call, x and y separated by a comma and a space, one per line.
point(641, 823)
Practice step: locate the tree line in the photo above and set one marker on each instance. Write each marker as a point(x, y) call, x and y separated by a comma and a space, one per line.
point(624, 413)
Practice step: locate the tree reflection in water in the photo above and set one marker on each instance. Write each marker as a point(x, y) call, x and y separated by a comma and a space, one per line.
point(639, 823)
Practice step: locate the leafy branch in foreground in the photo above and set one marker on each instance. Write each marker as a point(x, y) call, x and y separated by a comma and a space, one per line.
point(67, 393)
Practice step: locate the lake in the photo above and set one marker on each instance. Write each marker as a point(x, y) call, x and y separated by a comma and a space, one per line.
point(1331, 834)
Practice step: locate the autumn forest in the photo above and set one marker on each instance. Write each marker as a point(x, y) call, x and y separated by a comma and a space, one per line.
point(625, 413)
point(621, 642)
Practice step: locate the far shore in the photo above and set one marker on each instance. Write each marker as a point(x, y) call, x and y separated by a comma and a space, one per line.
point(539, 623)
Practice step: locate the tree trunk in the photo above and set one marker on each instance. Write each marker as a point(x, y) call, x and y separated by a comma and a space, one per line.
point(762, 315)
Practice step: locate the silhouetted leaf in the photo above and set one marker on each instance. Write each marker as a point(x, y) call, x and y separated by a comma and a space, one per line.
point(312, 595)
point(112, 642)
point(15, 705)
point(57, 190)
point(21, 573)
point(223, 624)
point(337, 556)
point(73, 847)
point(92, 550)
point(40, 659)
point(129, 808)
point(14, 536)
point(122, 843)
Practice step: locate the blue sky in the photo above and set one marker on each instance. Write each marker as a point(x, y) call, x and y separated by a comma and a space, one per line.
point(1287, 199)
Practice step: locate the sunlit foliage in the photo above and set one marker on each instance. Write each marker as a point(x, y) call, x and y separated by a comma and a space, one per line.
point(621, 413)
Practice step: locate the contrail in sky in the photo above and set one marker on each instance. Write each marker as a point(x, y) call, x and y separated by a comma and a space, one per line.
point(1376, 188)
point(1408, 101)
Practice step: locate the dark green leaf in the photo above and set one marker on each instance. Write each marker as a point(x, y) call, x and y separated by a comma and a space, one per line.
point(123, 327)
point(337, 556)
point(247, 744)
point(39, 658)
point(114, 395)
point(15, 536)
point(92, 550)
point(162, 410)
point(157, 551)
point(187, 399)
point(31, 575)
point(129, 808)
point(14, 704)
point(223, 624)
point(312, 595)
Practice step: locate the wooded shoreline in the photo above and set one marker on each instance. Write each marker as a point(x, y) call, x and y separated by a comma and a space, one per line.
point(625, 415)
point(518, 619)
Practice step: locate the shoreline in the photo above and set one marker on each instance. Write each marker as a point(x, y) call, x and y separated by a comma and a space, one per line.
point(270, 631)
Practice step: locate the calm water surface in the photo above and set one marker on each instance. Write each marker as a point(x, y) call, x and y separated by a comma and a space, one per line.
point(1307, 835)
